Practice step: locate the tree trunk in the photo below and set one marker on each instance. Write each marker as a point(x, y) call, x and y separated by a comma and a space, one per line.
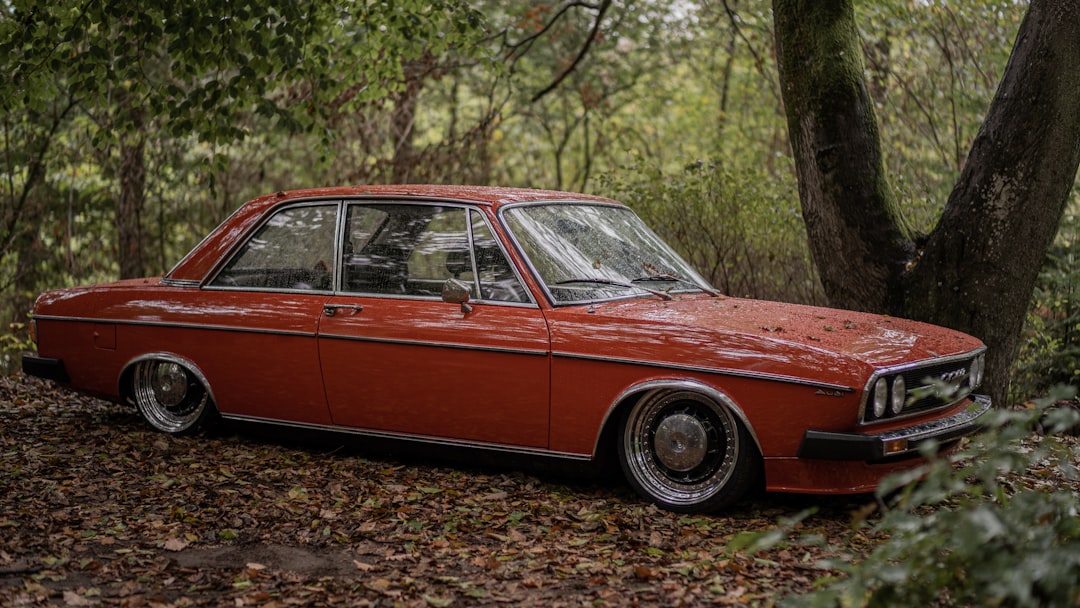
point(857, 236)
point(403, 122)
point(979, 266)
point(131, 248)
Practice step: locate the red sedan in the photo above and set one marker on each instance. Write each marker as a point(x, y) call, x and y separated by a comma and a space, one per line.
point(514, 321)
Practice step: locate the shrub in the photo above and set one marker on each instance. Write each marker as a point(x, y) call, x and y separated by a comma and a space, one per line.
point(741, 229)
point(1050, 349)
point(970, 531)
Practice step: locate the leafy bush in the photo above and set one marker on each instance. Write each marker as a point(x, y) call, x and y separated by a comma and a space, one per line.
point(741, 229)
point(1050, 352)
point(16, 341)
point(969, 531)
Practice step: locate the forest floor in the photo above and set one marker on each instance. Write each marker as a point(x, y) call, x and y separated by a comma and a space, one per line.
point(95, 509)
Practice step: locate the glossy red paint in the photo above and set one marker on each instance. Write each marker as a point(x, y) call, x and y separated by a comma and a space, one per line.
point(534, 377)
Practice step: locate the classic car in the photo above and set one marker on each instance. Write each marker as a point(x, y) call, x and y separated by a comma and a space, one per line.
point(526, 322)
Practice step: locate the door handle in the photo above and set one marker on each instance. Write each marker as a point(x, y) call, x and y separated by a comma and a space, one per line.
point(331, 309)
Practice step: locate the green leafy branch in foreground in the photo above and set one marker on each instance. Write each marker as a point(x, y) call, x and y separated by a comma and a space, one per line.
point(966, 531)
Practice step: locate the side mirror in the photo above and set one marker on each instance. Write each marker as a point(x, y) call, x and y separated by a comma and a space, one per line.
point(456, 291)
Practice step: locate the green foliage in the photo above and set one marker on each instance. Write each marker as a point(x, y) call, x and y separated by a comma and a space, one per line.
point(183, 84)
point(15, 341)
point(960, 532)
point(1050, 353)
point(932, 69)
point(205, 64)
point(740, 229)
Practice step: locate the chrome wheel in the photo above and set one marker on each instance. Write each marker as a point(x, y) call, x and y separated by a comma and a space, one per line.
point(170, 397)
point(686, 452)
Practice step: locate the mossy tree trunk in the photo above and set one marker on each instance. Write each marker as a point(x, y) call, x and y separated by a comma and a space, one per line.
point(131, 240)
point(977, 269)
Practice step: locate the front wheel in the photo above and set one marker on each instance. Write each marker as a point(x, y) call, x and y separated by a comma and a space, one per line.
point(687, 453)
point(170, 398)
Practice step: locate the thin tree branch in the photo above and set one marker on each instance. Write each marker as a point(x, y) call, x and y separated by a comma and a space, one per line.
point(604, 6)
point(528, 40)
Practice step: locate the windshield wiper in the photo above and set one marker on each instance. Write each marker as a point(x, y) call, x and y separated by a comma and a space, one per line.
point(659, 294)
point(670, 278)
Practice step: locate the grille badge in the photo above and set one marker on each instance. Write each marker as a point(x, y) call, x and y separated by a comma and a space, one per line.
point(955, 376)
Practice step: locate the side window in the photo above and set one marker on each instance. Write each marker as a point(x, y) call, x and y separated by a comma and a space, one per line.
point(497, 279)
point(441, 252)
point(411, 250)
point(293, 250)
point(403, 249)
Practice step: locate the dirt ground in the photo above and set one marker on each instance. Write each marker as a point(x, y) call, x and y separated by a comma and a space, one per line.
point(96, 509)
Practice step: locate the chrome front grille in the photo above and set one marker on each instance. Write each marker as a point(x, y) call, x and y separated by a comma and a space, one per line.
point(926, 385)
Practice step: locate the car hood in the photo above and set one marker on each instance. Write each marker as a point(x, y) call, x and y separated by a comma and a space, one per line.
point(808, 342)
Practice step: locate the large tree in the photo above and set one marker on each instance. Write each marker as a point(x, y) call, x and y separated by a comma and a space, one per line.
point(123, 77)
point(977, 268)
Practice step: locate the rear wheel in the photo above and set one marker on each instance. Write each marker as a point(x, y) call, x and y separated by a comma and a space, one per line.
point(170, 398)
point(687, 453)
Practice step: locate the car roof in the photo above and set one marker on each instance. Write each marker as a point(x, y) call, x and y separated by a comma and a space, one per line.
point(488, 195)
point(205, 256)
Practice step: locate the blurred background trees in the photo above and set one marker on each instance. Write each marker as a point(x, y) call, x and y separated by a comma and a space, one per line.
point(128, 130)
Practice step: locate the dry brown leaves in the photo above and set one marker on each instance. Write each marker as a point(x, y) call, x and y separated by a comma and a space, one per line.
point(95, 509)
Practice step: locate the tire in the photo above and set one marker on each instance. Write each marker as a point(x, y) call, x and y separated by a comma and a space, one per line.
point(687, 453)
point(170, 398)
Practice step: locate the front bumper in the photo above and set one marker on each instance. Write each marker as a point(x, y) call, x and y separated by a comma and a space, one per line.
point(45, 367)
point(826, 445)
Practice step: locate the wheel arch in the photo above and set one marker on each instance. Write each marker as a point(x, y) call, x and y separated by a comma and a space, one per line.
point(126, 384)
point(626, 400)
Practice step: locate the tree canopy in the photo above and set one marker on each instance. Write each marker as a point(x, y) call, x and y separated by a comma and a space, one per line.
point(130, 129)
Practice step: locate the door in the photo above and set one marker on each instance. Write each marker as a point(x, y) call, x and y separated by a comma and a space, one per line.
point(397, 358)
point(259, 317)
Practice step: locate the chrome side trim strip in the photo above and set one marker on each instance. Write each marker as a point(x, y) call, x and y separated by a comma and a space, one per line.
point(174, 325)
point(493, 349)
point(426, 439)
point(250, 330)
point(711, 370)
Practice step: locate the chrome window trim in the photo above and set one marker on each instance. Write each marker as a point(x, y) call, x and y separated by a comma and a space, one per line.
point(325, 292)
point(469, 207)
point(179, 282)
point(236, 247)
point(307, 199)
point(906, 367)
point(426, 439)
point(720, 371)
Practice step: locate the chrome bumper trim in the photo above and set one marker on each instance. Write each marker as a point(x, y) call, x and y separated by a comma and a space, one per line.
point(825, 445)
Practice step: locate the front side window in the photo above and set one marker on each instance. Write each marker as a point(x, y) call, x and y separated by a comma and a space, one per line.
point(411, 250)
point(495, 276)
point(294, 250)
point(585, 253)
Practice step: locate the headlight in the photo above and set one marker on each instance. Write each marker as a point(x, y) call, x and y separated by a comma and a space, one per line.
point(978, 366)
point(898, 395)
point(881, 397)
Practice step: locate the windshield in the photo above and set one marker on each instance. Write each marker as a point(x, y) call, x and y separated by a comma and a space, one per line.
point(588, 252)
